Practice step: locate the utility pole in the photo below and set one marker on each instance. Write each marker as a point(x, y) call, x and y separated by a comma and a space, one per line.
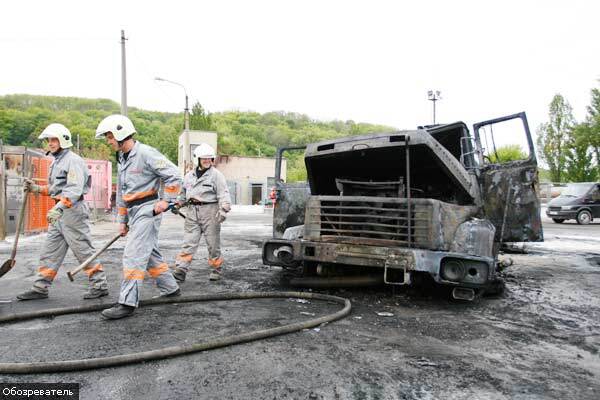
point(123, 76)
point(186, 114)
point(434, 96)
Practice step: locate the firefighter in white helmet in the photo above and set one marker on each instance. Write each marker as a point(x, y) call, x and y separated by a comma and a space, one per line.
point(68, 220)
point(206, 195)
point(141, 169)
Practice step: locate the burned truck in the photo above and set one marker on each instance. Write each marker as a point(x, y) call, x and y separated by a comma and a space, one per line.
point(433, 204)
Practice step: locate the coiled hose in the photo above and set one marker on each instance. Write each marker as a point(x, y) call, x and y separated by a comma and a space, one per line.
point(103, 362)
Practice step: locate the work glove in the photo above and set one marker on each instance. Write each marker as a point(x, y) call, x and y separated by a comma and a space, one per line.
point(160, 207)
point(221, 216)
point(30, 186)
point(54, 214)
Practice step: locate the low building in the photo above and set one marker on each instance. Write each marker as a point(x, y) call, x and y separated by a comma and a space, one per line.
point(249, 178)
point(188, 141)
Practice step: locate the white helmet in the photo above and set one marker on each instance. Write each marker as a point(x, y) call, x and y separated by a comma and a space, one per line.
point(119, 125)
point(203, 151)
point(58, 131)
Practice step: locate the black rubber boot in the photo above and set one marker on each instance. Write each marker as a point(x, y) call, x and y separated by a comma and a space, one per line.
point(95, 293)
point(32, 295)
point(118, 311)
point(176, 293)
point(179, 275)
point(215, 275)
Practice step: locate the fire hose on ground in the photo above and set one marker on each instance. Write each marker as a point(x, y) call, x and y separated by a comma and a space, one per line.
point(173, 351)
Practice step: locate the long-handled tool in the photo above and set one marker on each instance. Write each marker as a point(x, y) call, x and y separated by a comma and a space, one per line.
point(91, 258)
point(8, 264)
point(175, 210)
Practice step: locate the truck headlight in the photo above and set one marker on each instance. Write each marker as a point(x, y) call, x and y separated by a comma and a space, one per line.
point(453, 269)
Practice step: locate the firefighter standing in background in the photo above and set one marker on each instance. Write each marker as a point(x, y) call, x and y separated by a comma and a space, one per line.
point(141, 169)
point(206, 193)
point(68, 220)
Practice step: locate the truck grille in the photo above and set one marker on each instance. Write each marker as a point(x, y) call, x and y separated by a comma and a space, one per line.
point(369, 220)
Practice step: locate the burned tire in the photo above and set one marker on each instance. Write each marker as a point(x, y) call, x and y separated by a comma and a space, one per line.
point(309, 268)
point(558, 220)
point(584, 217)
point(496, 288)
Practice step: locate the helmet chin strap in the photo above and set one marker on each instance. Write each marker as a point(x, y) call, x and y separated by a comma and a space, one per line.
point(122, 142)
point(54, 153)
point(202, 167)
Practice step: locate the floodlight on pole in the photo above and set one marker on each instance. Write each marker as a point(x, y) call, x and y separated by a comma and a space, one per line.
point(433, 96)
point(186, 114)
point(123, 76)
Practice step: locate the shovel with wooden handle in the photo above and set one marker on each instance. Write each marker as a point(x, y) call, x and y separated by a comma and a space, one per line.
point(91, 258)
point(8, 264)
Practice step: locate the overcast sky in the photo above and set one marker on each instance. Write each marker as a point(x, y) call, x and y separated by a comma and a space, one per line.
point(369, 61)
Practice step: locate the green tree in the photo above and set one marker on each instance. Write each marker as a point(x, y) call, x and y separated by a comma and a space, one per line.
point(200, 120)
point(554, 137)
point(510, 152)
point(593, 133)
point(22, 118)
point(579, 155)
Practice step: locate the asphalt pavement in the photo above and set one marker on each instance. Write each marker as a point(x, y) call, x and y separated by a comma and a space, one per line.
point(540, 340)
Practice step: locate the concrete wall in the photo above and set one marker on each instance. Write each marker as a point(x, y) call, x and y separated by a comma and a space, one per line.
point(249, 178)
point(190, 140)
point(244, 173)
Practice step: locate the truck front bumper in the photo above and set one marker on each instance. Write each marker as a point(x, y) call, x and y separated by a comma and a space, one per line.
point(448, 268)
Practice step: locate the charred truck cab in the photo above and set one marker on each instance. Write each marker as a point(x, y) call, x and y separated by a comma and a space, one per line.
point(403, 206)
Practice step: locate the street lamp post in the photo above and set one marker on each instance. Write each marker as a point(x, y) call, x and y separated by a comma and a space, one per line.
point(433, 96)
point(186, 114)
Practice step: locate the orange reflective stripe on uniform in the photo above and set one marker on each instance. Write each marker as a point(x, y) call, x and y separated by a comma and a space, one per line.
point(215, 262)
point(184, 257)
point(139, 195)
point(133, 274)
point(157, 271)
point(173, 190)
point(47, 273)
point(66, 202)
point(122, 210)
point(91, 271)
point(44, 190)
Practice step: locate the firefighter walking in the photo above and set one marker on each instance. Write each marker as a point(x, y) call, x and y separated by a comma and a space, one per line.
point(141, 169)
point(206, 195)
point(68, 220)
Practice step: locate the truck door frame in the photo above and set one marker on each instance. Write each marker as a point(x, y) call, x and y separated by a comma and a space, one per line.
point(511, 183)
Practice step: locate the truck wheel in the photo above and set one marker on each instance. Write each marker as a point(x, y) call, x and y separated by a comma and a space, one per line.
point(496, 288)
point(584, 217)
point(309, 268)
point(558, 220)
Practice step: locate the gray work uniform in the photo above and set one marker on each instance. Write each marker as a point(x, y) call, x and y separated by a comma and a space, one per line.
point(140, 174)
point(68, 182)
point(211, 192)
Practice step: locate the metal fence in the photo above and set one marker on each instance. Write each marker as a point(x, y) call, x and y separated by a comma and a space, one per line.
point(18, 162)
